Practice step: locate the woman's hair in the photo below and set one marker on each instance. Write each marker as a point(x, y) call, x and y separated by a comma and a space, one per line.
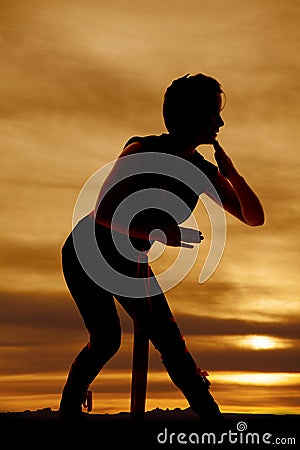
point(187, 100)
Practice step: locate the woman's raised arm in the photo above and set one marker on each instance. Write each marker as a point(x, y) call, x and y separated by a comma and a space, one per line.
point(237, 197)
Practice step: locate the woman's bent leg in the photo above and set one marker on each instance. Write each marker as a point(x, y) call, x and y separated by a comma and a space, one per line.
point(98, 310)
point(178, 361)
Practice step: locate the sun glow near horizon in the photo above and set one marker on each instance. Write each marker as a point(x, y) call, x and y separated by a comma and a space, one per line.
point(260, 342)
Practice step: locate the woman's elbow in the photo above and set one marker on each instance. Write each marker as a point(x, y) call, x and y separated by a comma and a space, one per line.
point(257, 224)
point(256, 221)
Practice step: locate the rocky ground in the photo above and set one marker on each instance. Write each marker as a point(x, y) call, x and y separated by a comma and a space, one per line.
point(162, 429)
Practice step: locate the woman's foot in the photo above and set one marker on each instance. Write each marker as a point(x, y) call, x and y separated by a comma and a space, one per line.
point(71, 404)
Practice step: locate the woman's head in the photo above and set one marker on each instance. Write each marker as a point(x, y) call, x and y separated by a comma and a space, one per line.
point(191, 108)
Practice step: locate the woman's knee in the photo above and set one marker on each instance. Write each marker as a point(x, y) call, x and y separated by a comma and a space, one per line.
point(108, 343)
point(167, 338)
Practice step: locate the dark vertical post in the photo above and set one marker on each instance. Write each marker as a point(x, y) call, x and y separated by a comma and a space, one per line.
point(139, 371)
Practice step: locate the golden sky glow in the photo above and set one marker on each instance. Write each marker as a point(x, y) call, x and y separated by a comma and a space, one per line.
point(77, 80)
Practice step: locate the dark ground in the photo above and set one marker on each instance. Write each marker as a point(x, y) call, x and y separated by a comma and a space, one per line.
point(43, 429)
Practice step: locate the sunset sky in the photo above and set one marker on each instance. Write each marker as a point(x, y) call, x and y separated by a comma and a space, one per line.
point(79, 78)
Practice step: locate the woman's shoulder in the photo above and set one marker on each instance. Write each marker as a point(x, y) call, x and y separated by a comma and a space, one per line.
point(150, 142)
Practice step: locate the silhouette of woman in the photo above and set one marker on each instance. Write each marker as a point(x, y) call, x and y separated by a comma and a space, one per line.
point(191, 110)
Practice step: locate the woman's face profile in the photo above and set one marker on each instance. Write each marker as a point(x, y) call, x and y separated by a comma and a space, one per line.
point(210, 122)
